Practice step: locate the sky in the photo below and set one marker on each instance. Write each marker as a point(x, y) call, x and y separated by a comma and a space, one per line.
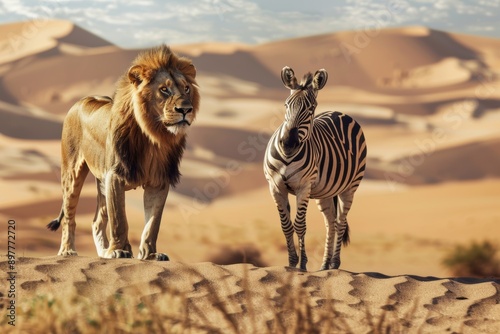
point(143, 23)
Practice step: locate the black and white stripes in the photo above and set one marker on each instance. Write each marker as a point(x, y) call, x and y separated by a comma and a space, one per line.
point(320, 158)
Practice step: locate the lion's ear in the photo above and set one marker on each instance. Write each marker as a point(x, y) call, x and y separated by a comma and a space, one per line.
point(135, 75)
point(186, 67)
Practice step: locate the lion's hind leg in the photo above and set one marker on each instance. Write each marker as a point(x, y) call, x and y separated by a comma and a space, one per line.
point(73, 178)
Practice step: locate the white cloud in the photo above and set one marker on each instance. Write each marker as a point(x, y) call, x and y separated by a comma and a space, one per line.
point(480, 29)
point(144, 2)
point(13, 5)
point(489, 3)
point(441, 4)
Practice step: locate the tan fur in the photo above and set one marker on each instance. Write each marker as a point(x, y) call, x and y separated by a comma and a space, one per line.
point(135, 139)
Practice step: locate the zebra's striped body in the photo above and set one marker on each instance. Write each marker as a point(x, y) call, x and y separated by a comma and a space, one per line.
point(329, 161)
point(320, 158)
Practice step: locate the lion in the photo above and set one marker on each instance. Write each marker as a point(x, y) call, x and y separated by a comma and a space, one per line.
point(135, 139)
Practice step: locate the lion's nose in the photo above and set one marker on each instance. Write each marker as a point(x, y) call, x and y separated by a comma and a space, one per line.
point(184, 110)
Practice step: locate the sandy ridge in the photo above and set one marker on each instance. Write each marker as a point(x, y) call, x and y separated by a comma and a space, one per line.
point(429, 304)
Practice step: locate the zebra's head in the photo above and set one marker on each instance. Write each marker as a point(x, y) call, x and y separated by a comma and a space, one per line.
point(300, 107)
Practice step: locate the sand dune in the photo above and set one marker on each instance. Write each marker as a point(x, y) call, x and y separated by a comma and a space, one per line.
point(474, 160)
point(42, 38)
point(356, 59)
point(29, 127)
point(410, 303)
point(210, 138)
point(483, 159)
point(67, 78)
point(24, 39)
point(46, 208)
point(239, 64)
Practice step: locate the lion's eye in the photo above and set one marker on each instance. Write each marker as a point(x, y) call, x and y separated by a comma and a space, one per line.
point(186, 89)
point(164, 90)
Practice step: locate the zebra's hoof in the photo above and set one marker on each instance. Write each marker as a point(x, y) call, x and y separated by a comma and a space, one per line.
point(335, 265)
point(159, 257)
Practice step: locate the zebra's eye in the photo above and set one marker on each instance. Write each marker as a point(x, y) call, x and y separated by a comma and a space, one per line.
point(164, 90)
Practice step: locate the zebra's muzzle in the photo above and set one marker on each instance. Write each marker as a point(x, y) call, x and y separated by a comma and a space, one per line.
point(290, 141)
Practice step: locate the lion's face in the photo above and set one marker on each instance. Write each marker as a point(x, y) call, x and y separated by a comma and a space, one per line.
point(165, 100)
point(171, 96)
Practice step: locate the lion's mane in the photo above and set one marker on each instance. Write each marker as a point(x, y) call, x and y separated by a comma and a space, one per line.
point(145, 147)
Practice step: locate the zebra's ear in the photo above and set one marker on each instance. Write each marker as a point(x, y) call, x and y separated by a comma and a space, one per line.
point(320, 78)
point(288, 78)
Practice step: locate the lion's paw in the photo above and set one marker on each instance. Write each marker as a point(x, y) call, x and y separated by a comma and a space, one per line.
point(154, 256)
point(120, 254)
point(68, 253)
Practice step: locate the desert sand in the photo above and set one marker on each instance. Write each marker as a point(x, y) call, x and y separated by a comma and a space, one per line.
point(430, 113)
point(254, 299)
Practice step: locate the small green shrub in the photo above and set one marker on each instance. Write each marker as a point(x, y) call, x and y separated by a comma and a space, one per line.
point(475, 260)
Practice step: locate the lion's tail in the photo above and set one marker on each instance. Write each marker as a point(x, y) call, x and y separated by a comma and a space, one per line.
point(54, 225)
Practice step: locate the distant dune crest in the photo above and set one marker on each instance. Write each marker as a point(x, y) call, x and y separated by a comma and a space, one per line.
point(41, 37)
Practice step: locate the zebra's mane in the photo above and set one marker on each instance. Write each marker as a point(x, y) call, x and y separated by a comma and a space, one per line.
point(306, 81)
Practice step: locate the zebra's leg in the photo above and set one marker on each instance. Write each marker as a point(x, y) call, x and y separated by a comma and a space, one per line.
point(300, 227)
point(341, 226)
point(281, 200)
point(328, 208)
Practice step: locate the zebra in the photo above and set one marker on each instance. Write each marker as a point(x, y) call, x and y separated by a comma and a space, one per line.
point(321, 158)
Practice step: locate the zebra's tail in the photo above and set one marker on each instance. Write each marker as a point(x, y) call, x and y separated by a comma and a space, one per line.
point(345, 238)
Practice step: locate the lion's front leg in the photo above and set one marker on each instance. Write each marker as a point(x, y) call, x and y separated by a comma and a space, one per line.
point(119, 246)
point(154, 202)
